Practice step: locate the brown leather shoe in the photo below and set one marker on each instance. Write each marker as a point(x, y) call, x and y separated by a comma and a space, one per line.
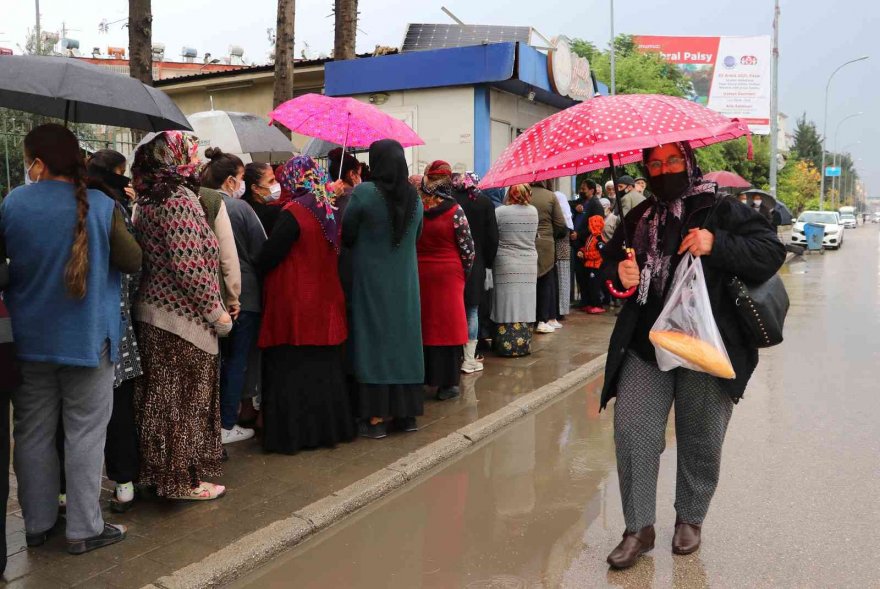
point(686, 539)
point(631, 548)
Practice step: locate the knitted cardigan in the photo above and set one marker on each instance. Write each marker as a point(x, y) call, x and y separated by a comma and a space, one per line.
point(179, 289)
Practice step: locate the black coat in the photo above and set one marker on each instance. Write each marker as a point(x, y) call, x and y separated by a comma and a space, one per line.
point(745, 245)
point(480, 213)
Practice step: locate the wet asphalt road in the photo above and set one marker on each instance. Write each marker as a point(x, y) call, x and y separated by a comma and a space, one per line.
point(538, 506)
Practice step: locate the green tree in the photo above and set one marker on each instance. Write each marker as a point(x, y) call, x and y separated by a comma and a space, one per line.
point(732, 156)
point(799, 185)
point(807, 141)
point(636, 73)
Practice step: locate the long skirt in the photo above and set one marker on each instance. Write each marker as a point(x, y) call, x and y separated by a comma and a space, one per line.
point(177, 409)
point(563, 275)
point(563, 271)
point(391, 400)
point(305, 399)
point(443, 365)
point(512, 340)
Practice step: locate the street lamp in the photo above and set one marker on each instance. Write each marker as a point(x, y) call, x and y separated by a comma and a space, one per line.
point(825, 127)
point(836, 133)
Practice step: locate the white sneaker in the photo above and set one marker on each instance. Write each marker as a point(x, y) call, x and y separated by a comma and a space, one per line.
point(544, 328)
point(471, 367)
point(236, 434)
point(555, 324)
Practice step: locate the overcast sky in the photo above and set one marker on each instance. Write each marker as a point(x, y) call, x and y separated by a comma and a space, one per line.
point(816, 36)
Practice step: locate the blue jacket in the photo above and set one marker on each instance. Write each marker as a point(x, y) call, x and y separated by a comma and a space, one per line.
point(37, 223)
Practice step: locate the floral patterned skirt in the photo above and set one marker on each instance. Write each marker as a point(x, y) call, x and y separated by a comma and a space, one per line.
point(177, 410)
point(512, 340)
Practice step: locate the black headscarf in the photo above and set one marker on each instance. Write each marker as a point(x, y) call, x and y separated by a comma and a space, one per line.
point(390, 174)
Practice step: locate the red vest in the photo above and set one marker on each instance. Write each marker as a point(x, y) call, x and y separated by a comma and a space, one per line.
point(441, 283)
point(303, 304)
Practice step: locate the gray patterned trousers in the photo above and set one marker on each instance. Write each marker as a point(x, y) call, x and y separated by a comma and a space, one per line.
point(702, 411)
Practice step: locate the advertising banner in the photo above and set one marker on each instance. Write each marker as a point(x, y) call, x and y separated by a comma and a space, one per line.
point(730, 75)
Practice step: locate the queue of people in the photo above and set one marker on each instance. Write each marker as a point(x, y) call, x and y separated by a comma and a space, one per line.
point(202, 301)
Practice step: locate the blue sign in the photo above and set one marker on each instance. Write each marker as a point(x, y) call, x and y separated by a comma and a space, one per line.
point(832, 170)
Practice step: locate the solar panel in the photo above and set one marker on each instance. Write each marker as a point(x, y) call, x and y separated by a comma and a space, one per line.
point(420, 37)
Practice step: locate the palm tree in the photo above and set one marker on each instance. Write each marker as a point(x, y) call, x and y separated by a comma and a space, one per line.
point(140, 40)
point(346, 29)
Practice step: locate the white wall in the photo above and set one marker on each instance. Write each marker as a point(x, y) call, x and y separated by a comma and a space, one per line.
point(443, 118)
point(513, 114)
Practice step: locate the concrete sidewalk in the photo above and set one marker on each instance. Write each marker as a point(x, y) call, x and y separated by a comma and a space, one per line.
point(166, 537)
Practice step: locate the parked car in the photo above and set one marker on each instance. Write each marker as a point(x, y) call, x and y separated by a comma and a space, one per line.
point(834, 228)
point(875, 218)
point(849, 221)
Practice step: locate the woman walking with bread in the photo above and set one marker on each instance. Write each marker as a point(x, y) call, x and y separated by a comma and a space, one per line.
point(684, 215)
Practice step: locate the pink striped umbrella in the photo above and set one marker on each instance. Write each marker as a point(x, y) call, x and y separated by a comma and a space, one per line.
point(727, 180)
point(590, 135)
point(345, 121)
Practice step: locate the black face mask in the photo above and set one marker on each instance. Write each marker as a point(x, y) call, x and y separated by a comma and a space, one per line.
point(667, 187)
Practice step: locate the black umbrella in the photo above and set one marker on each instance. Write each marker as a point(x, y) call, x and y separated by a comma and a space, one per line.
point(772, 204)
point(80, 92)
point(785, 216)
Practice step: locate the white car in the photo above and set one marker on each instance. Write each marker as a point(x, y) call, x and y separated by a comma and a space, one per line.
point(849, 221)
point(834, 228)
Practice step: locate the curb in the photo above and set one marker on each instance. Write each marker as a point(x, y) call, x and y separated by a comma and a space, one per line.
point(257, 548)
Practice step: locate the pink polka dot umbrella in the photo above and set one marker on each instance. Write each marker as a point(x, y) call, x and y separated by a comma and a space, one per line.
point(345, 121)
point(608, 131)
point(590, 135)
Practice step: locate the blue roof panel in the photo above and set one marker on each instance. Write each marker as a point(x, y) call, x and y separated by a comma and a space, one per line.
point(459, 66)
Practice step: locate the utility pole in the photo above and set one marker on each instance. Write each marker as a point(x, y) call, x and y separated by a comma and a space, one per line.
point(37, 30)
point(613, 69)
point(774, 105)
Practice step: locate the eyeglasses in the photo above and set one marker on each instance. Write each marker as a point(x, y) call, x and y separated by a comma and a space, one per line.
point(672, 163)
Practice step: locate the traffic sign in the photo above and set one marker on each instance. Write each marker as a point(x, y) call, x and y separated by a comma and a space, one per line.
point(832, 170)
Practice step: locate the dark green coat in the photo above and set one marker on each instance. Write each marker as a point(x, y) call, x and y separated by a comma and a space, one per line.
point(386, 326)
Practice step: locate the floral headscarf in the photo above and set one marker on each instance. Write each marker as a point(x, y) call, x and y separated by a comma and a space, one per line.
point(467, 181)
point(520, 194)
point(308, 183)
point(436, 183)
point(166, 165)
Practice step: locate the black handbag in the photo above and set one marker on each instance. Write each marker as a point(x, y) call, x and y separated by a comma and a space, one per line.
point(761, 308)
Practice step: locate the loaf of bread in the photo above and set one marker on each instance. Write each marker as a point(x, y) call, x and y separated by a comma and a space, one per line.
point(696, 351)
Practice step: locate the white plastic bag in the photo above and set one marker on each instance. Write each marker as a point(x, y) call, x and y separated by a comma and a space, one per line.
point(685, 335)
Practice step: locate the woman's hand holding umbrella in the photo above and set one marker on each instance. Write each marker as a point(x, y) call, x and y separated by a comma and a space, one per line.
point(628, 272)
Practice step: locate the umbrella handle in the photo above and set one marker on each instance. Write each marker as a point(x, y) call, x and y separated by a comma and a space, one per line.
point(623, 294)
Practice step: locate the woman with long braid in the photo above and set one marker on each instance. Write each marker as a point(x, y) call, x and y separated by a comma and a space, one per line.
point(66, 326)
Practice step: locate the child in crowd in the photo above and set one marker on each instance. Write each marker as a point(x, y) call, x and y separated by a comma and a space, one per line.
point(591, 254)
